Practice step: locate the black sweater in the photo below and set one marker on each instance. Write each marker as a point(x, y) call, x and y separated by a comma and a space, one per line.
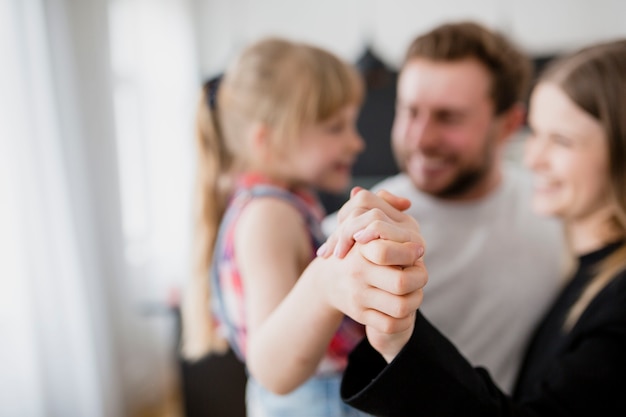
point(577, 373)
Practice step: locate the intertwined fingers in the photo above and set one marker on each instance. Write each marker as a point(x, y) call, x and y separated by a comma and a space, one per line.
point(364, 200)
point(369, 216)
point(400, 280)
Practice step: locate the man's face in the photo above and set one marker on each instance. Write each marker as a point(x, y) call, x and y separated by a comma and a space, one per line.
point(445, 135)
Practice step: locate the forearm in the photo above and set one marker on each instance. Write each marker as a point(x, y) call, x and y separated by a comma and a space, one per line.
point(366, 284)
point(427, 377)
point(388, 345)
point(304, 324)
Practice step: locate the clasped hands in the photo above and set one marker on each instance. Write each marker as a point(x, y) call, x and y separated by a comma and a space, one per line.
point(385, 273)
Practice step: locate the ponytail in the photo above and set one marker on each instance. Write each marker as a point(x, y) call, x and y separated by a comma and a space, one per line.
point(199, 331)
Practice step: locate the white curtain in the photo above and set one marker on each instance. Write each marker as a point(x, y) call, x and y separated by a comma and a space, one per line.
point(76, 339)
point(60, 238)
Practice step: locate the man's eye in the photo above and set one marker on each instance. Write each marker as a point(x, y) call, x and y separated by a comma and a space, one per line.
point(450, 118)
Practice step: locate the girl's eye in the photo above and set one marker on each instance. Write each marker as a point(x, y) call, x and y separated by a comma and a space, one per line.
point(336, 127)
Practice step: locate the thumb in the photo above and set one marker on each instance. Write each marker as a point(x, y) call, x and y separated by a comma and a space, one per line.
point(399, 203)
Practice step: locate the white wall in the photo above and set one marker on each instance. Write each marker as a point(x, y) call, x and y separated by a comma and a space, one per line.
point(344, 26)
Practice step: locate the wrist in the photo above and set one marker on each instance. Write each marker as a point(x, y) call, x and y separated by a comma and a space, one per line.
point(315, 283)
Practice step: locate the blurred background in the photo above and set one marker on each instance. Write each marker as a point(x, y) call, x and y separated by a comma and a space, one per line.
point(97, 100)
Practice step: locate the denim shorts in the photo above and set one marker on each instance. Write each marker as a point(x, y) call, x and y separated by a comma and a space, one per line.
point(318, 397)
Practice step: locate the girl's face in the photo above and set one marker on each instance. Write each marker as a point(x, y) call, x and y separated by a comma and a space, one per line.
point(326, 152)
point(568, 154)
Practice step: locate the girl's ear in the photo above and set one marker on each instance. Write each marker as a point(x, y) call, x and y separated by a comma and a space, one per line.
point(259, 137)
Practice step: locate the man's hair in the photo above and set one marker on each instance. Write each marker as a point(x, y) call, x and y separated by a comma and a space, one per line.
point(509, 67)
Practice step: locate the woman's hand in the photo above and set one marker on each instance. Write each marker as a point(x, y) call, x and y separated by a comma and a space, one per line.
point(390, 344)
point(369, 286)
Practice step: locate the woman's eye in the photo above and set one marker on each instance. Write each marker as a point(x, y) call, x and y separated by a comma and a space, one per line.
point(562, 140)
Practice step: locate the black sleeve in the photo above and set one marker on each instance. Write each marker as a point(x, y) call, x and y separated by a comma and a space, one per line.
point(429, 365)
point(430, 377)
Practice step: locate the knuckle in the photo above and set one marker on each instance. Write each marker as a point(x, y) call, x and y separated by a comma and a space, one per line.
point(403, 282)
point(385, 325)
point(362, 197)
point(377, 216)
point(376, 252)
point(420, 296)
point(397, 285)
point(402, 310)
point(422, 273)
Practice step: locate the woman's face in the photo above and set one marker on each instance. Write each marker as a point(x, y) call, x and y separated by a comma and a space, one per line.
point(568, 154)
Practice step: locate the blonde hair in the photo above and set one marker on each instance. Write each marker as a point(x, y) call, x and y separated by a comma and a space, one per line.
point(284, 85)
point(595, 79)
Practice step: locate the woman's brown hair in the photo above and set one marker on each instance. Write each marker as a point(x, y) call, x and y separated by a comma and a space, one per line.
point(594, 78)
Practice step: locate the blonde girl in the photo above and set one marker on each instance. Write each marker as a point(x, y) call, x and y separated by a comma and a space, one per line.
point(280, 125)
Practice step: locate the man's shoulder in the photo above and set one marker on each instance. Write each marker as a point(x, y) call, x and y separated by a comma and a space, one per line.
point(516, 174)
point(517, 184)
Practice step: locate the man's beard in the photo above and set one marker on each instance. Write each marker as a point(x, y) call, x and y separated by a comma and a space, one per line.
point(465, 181)
point(467, 178)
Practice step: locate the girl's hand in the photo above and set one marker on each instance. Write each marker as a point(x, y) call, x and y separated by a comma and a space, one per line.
point(368, 216)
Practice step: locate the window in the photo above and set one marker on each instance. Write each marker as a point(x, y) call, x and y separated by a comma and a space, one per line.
point(155, 88)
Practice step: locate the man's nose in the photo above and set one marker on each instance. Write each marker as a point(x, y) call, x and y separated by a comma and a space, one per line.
point(422, 133)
